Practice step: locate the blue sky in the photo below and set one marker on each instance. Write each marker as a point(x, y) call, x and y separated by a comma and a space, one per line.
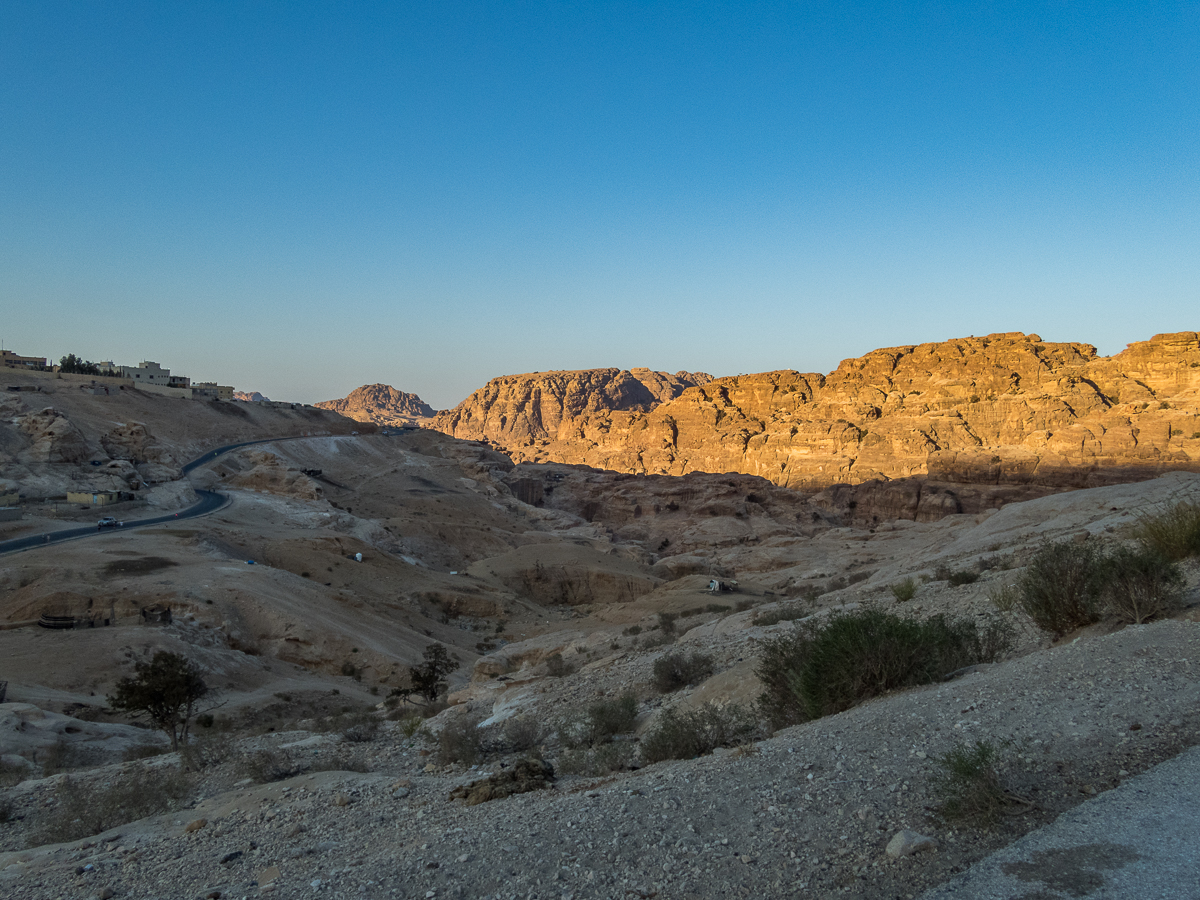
point(299, 198)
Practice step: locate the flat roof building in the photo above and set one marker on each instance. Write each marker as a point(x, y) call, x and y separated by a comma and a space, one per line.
point(13, 361)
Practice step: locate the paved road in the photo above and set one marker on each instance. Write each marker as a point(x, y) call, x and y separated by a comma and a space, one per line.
point(1140, 841)
point(210, 501)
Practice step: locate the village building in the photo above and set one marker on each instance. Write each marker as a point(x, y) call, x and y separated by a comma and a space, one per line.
point(13, 361)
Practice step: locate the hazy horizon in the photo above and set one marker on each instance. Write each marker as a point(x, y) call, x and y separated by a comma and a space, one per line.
point(300, 199)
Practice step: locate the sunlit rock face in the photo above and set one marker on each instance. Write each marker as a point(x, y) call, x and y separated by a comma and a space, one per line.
point(913, 432)
point(524, 413)
point(381, 404)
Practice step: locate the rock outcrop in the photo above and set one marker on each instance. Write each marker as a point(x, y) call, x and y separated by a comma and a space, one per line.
point(250, 397)
point(527, 413)
point(381, 404)
point(53, 438)
point(955, 426)
point(134, 442)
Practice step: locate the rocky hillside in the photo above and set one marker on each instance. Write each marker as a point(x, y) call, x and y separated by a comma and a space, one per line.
point(524, 412)
point(921, 430)
point(381, 404)
point(250, 396)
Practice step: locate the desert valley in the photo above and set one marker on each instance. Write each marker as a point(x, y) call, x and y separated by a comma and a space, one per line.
point(556, 641)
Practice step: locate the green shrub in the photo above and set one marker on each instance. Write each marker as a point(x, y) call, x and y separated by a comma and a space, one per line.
point(690, 733)
point(904, 590)
point(1174, 533)
point(677, 670)
point(788, 612)
point(968, 783)
point(1140, 585)
point(1060, 587)
point(460, 742)
point(819, 669)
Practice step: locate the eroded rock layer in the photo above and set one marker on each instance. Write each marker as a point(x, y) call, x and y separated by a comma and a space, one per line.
point(932, 428)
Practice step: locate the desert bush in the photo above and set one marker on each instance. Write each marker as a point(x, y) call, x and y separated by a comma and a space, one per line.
point(1005, 597)
point(598, 760)
point(6, 809)
point(523, 733)
point(411, 724)
point(677, 670)
point(821, 668)
point(143, 751)
point(362, 730)
point(1140, 584)
point(1060, 587)
point(205, 752)
point(788, 612)
point(54, 759)
point(460, 742)
point(666, 622)
point(599, 722)
point(1173, 533)
point(968, 783)
point(267, 765)
point(690, 733)
point(956, 577)
point(80, 810)
point(656, 640)
point(904, 590)
point(12, 774)
point(633, 630)
point(556, 666)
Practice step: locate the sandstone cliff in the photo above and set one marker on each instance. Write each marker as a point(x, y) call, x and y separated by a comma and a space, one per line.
point(381, 404)
point(930, 429)
point(545, 408)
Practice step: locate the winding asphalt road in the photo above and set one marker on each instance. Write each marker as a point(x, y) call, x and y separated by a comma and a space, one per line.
point(210, 501)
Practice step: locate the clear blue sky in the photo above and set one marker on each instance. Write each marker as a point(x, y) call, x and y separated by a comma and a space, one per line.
point(299, 198)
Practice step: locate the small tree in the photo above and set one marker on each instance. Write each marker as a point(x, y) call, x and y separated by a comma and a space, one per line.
point(429, 678)
point(166, 689)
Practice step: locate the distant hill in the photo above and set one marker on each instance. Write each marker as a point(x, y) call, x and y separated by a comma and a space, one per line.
point(381, 404)
point(250, 396)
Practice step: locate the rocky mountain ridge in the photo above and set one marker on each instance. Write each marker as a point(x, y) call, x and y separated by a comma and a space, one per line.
point(916, 431)
point(381, 404)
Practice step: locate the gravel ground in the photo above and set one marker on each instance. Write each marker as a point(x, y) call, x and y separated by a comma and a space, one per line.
point(811, 809)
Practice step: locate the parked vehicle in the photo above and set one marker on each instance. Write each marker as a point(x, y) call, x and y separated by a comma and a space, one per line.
point(108, 522)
